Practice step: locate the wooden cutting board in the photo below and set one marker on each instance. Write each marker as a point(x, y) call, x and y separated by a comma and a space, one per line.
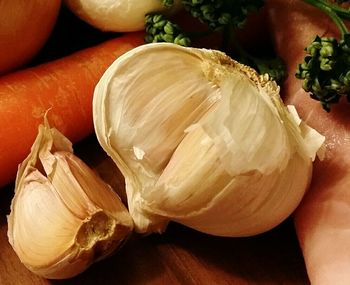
point(179, 256)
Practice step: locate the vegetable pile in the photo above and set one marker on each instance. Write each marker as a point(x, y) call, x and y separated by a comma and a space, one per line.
point(190, 111)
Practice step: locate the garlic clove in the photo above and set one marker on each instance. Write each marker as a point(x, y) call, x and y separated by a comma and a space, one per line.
point(63, 216)
point(118, 15)
point(202, 140)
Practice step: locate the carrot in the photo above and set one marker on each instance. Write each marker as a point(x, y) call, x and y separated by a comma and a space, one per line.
point(65, 86)
point(322, 220)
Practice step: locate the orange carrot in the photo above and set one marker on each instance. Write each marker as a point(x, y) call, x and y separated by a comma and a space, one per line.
point(65, 86)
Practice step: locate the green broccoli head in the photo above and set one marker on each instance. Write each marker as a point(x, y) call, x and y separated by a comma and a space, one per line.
point(325, 70)
point(220, 13)
point(160, 29)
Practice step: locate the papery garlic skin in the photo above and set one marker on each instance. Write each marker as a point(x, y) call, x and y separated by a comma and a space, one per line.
point(118, 15)
point(202, 140)
point(63, 216)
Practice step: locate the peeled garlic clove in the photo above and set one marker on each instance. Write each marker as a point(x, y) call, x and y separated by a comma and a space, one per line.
point(202, 140)
point(63, 216)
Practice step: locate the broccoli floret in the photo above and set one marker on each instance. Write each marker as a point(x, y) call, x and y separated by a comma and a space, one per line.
point(325, 70)
point(168, 3)
point(224, 15)
point(160, 29)
point(220, 13)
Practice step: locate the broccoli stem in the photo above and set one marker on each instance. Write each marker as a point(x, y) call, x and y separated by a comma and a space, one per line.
point(335, 12)
point(341, 12)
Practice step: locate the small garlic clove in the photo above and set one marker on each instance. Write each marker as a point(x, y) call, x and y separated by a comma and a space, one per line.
point(202, 140)
point(63, 216)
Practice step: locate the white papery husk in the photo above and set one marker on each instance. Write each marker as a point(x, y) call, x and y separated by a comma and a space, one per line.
point(118, 15)
point(63, 216)
point(203, 141)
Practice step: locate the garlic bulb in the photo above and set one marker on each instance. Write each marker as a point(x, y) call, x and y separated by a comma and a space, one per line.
point(118, 15)
point(63, 216)
point(202, 140)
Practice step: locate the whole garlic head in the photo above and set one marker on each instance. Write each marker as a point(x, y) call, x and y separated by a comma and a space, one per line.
point(63, 216)
point(118, 15)
point(202, 140)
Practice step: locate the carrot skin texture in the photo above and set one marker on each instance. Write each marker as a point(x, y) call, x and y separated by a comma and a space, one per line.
point(64, 87)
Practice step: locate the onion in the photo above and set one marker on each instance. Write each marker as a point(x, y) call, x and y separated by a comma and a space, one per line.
point(24, 28)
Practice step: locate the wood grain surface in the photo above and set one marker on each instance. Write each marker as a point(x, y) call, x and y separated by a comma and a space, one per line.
point(179, 256)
